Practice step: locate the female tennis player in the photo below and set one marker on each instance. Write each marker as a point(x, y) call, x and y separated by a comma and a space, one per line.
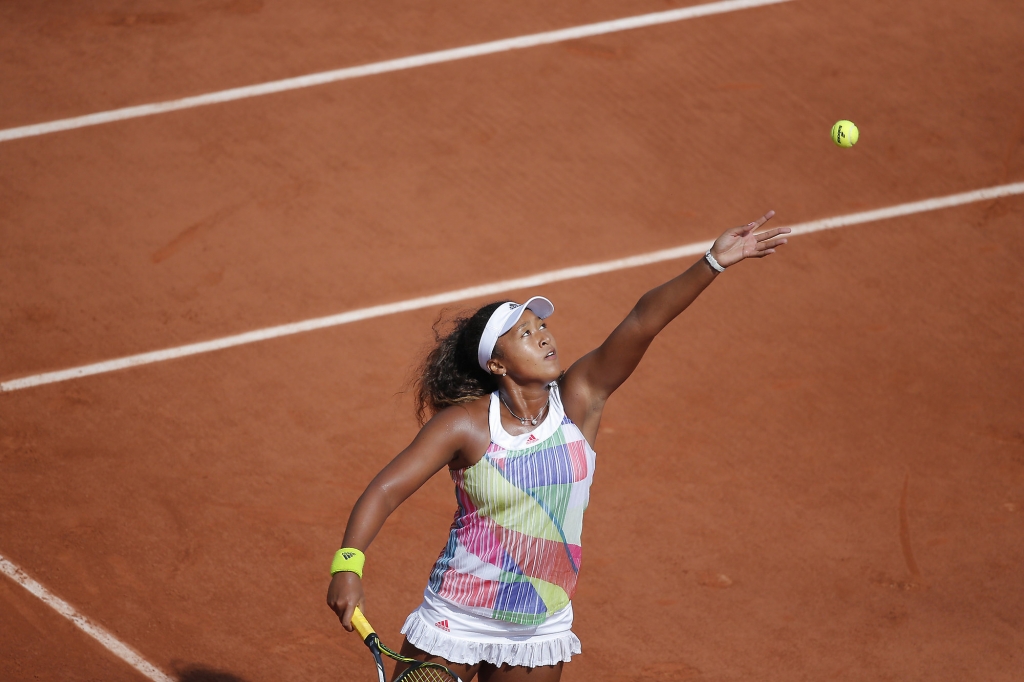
point(516, 433)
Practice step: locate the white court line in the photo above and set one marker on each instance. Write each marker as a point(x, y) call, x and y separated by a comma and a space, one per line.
point(495, 288)
point(412, 62)
point(116, 646)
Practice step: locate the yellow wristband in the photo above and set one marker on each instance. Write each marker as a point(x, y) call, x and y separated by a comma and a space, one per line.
point(348, 559)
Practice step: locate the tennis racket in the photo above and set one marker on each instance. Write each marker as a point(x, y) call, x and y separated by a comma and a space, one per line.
point(418, 671)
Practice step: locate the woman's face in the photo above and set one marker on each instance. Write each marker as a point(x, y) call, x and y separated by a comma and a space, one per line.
point(527, 351)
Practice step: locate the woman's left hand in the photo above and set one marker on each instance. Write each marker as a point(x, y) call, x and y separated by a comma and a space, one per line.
point(745, 242)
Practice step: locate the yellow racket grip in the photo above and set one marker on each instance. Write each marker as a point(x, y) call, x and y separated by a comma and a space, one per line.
point(361, 625)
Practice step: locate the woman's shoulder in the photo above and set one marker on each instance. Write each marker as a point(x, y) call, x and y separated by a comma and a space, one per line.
point(466, 425)
point(470, 414)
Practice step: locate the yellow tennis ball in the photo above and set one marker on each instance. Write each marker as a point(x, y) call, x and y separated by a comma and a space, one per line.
point(845, 133)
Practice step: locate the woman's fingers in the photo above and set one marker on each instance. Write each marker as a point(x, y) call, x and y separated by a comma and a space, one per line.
point(754, 224)
point(743, 231)
point(767, 247)
point(344, 612)
point(346, 617)
point(763, 219)
point(771, 243)
point(768, 234)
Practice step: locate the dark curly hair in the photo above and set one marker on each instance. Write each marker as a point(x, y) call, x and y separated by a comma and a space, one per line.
point(450, 374)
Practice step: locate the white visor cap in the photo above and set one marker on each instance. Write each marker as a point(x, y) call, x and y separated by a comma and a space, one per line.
point(504, 318)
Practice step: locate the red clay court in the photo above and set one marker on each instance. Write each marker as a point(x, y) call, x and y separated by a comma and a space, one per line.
point(817, 473)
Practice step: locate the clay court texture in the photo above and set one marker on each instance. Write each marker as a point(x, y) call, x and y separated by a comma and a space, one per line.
point(817, 473)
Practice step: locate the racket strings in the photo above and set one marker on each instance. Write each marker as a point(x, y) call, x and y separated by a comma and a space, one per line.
point(428, 673)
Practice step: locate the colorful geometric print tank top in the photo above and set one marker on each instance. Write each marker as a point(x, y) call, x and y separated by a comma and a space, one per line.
point(513, 552)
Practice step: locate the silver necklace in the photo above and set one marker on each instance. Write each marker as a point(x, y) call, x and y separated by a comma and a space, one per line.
point(523, 420)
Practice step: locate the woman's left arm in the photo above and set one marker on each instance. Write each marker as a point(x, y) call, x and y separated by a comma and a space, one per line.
point(597, 374)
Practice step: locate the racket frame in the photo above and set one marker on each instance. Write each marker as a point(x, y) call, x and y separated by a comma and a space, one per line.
point(376, 647)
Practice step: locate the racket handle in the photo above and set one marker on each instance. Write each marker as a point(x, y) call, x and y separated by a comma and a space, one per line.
point(361, 625)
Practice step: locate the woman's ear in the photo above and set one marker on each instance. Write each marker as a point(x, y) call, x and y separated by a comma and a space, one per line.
point(495, 366)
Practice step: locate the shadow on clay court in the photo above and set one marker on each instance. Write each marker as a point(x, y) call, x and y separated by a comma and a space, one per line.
point(189, 672)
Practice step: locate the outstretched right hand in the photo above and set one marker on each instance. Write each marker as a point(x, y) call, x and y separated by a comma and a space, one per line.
point(344, 595)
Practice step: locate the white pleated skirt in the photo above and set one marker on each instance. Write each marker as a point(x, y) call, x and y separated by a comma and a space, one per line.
point(443, 629)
